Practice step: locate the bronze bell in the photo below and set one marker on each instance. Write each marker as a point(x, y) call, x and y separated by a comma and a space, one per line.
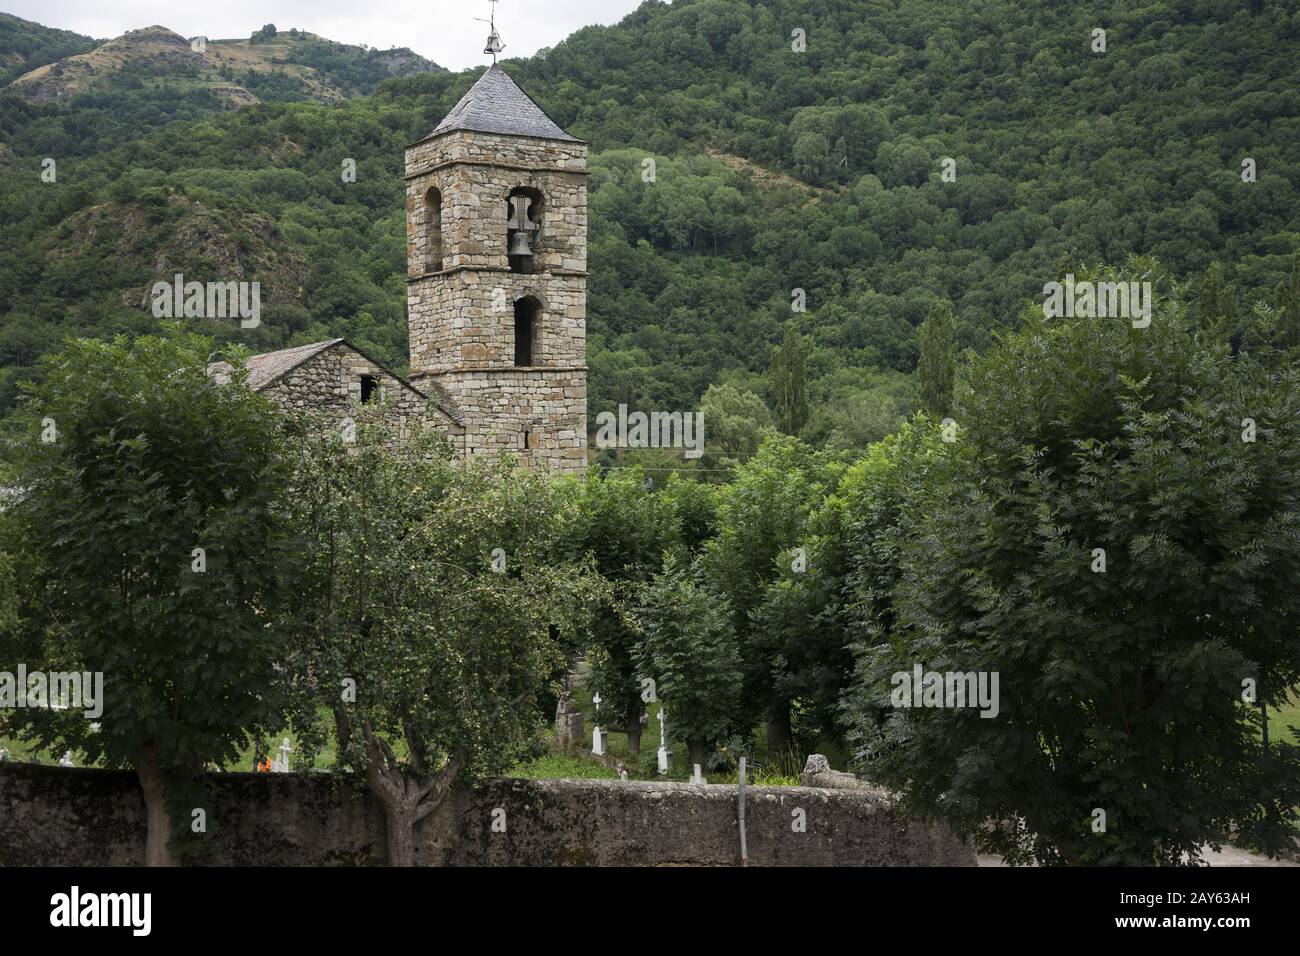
point(519, 244)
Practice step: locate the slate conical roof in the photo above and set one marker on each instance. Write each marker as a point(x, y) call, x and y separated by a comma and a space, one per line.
point(496, 104)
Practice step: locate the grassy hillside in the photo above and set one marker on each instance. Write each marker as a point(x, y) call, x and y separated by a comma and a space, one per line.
point(105, 94)
point(776, 170)
point(284, 66)
point(25, 46)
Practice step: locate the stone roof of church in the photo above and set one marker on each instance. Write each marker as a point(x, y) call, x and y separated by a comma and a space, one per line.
point(496, 104)
point(268, 368)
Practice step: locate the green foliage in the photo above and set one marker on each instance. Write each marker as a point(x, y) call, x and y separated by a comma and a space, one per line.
point(762, 516)
point(29, 45)
point(874, 508)
point(627, 530)
point(689, 645)
point(735, 423)
point(8, 593)
point(788, 382)
point(432, 614)
point(937, 366)
point(775, 171)
point(129, 458)
point(553, 766)
point(401, 596)
point(1118, 690)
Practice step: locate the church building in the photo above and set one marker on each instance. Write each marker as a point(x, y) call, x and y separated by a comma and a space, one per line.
point(496, 227)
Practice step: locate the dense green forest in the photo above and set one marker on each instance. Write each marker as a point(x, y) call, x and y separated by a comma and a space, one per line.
point(776, 170)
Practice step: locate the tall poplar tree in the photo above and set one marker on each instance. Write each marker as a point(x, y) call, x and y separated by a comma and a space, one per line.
point(937, 365)
point(789, 382)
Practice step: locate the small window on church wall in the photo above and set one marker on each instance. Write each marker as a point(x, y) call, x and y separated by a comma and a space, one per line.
point(433, 231)
point(528, 331)
point(527, 439)
point(524, 208)
point(369, 388)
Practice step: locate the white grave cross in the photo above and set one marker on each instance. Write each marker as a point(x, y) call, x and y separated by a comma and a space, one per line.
point(663, 742)
point(281, 764)
point(597, 742)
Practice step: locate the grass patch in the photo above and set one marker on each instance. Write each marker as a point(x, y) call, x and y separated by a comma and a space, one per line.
point(760, 771)
point(556, 766)
point(1282, 719)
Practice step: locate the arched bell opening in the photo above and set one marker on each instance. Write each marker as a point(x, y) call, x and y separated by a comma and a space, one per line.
point(524, 209)
point(528, 332)
point(433, 230)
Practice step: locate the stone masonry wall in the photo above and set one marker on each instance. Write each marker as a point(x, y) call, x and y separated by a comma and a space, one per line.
point(498, 406)
point(475, 173)
point(649, 823)
point(461, 318)
point(465, 320)
point(330, 383)
point(57, 816)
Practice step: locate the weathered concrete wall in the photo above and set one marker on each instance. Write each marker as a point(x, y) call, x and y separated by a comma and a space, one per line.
point(56, 816)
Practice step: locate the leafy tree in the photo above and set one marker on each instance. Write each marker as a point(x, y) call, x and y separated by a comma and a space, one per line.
point(812, 156)
point(626, 529)
point(1215, 305)
point(151, 519)
point(937, 367)
point(432, 614)
point(1121, 689)
point(788, 383)
point(8, 589)
point(804, 617)
point(762, 515)
point(688, 643)
point(735, 423)
point(873, 508)
point(1288, 305)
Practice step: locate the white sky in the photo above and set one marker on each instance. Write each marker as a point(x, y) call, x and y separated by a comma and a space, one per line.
point(442, 30)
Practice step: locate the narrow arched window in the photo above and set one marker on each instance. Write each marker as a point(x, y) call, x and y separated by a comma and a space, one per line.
point(524, 208)
point(433, 230)
point(528, 331)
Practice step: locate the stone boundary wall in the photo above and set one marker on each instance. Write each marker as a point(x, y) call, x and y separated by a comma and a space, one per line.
point(649, 823)
point(59, 816)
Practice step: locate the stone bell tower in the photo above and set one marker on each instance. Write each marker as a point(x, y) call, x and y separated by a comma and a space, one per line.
point(496, 226)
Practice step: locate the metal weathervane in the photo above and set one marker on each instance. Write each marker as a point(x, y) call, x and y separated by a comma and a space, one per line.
point(494, 44)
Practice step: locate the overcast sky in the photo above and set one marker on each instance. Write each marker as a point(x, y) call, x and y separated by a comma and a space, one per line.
point(442, 30)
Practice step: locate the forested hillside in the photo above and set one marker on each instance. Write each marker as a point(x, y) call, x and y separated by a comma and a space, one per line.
point(775, 170)
point(25, 46)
